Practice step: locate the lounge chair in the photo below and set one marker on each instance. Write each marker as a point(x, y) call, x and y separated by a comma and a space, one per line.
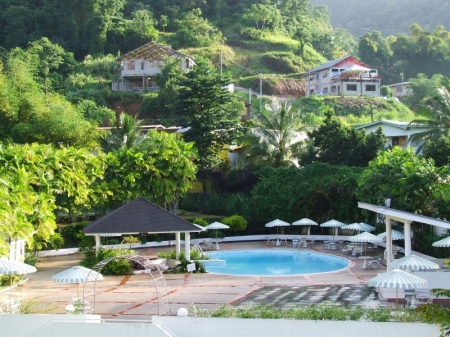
point(373, 263)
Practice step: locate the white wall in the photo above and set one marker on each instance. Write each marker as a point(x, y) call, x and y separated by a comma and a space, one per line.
point(78, 325)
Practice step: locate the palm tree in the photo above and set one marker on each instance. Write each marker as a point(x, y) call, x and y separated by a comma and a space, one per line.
point(275, 136)
point(438, 108)
point(126, 134)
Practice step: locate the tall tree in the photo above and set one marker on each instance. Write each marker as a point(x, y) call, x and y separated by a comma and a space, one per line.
point(168, 84)
point(374, 50)
point(161, 169)
point(37, 180)
point(127, 134)
point(274, 138)
point(410, 181)
point(438, 109)
point(337, 144)
point(205, 106)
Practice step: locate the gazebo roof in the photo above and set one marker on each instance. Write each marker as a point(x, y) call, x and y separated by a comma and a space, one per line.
point(139, 216)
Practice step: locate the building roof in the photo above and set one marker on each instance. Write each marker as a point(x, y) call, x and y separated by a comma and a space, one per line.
point(139, 216)
point(149, 51)
point(336, 62)
point(398, 84)
point(397, 124)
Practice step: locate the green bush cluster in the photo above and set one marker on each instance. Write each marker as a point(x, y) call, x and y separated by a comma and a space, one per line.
point(6, 280)
point(119, 266)
point(320, 312)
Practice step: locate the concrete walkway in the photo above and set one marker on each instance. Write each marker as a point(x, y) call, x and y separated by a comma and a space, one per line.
point(134, 296)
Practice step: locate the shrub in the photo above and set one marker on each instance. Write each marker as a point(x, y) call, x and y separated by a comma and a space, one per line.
point(200, 222)
point(119, 266)
point(237, 223)
point(195, 255)
point(6, 280)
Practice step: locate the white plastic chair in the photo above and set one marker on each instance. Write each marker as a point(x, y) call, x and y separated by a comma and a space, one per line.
point(295, 243)
point(358, 250)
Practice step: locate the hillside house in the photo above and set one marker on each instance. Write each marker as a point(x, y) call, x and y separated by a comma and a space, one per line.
point(400, 89)
point(397, 133)
point(345, 76)
point(140, 66)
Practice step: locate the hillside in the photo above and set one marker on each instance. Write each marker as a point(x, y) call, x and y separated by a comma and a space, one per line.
point(390, 17)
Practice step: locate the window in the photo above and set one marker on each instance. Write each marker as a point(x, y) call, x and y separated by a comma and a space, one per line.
point(151, 64)
point(142, 65)
point(395, 141)
point(399, 89)
point(130, 65)
point(317, 76)
point(371, 87)
point(333, 88)
point(187, 63)
point(325, 75)
point(351, 87)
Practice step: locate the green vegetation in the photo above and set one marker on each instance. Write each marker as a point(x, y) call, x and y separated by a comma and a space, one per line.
point(428, 313)
point(58, 167)
point(118, 266)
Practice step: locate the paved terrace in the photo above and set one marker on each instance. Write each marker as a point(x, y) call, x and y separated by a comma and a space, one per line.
point(134, 296)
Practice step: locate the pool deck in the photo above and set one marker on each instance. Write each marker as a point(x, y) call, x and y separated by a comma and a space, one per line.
point(134, 296)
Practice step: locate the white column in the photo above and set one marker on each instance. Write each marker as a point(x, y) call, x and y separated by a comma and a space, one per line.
point(177, 245)
point(388, 240)
point(98, 244)
point(407, 233)
point(187, 245)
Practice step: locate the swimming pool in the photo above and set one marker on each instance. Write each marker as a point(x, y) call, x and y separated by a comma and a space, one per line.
point(272, 262)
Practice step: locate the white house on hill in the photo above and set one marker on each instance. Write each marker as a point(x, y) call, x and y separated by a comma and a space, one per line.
point(397, 133)
point(140, 66)
point(345, 76)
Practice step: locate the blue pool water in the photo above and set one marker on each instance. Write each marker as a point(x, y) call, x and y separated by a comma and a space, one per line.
point(272, 262)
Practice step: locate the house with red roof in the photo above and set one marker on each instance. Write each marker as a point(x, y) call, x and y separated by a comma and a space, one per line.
point(345, 76)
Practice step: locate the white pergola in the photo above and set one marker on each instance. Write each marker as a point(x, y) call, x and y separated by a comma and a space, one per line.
point(404, 217)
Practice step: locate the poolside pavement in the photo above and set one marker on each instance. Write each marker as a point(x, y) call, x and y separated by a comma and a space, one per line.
point(134, 296)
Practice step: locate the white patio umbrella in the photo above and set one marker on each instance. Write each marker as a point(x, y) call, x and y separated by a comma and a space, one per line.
point(395, 235)
point(397, 279)
point(77, 275)
point(370, 228)
point(305, 222)
point(333, 223)
point(442, 243)
point(413, 262)
point(11, 267)
point(277, 223)
point(360, 227)
point(215, 226)
point(365, 237)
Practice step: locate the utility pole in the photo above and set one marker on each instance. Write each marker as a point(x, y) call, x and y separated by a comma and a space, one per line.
point(221, 62)
point(260, 93)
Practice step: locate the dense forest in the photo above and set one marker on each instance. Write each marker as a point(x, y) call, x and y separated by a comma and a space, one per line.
point(390, 17)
